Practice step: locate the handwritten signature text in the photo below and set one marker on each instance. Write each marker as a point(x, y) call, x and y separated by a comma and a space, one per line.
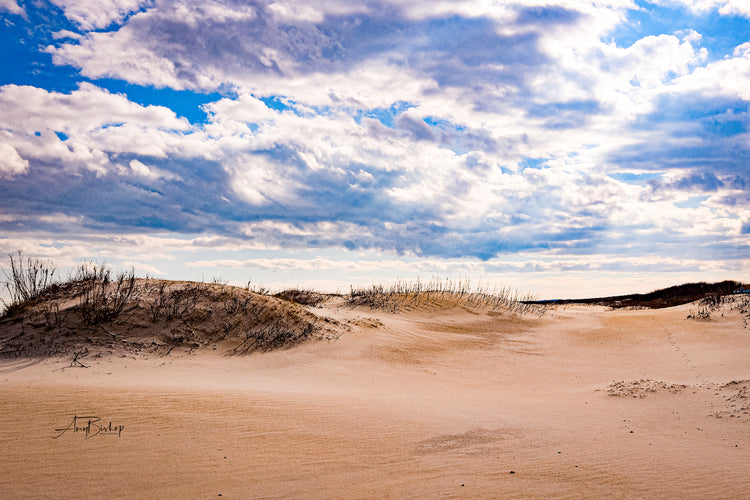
point(90, 426)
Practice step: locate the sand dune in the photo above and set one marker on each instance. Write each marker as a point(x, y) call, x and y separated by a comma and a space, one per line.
point(435, 402)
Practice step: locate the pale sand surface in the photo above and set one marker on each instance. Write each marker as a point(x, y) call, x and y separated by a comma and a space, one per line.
point(420, 404)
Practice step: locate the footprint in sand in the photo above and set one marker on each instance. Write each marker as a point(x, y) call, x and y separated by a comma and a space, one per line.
point(685, 356)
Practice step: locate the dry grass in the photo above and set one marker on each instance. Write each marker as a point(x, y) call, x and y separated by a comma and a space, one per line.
point(96, 311)
point(26, 281)
point(101, 315)
point(303, 296)
point(712, 304)
point(103, 297)
point(408, 295)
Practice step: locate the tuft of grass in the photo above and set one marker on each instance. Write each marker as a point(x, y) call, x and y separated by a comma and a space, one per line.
point(743, 305)
point(739, 301)
point(236, 304)
point(305, 297)
point(54, 317)
point(402, 295)
point(175, 303)
point(103, 297)
point(258, 289)
point(27, 280)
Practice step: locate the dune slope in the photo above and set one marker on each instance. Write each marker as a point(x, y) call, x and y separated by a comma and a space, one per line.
point(92, 318)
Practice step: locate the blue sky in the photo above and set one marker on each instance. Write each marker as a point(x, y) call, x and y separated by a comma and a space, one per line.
point(567, 147)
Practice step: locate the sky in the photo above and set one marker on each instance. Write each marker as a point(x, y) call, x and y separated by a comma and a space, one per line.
point(567, 148)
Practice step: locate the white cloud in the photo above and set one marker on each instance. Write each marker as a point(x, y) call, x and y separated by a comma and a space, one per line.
point(86, 108)
point(194, 13)
point(734, 7)
point(725, 7)
point(279, 264)
point(118, 54)
point(261, 181)
point(99, 14)
point(278, 235)
point(151, 173)
point(12, 7)
point(57, 35)
point(11, 162)
point(313, 11)
point(728, 77)
point(244, 109)
point(94, 122)
point(493, 135)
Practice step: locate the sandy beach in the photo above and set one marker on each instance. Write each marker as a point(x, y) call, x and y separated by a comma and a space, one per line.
point(435, 402)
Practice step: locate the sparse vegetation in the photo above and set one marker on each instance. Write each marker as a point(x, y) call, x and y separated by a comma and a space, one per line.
point(404, 295)
point(53, 315)
point(743, 305)
point(236, 304)
point(174, 301)
point(703, 313)
point(103, 297)
point(259, 289)
point(306, 297)
point(27, 280)
point(738, 301)
point(707, 305)
point(103, 311)
point(106, 311)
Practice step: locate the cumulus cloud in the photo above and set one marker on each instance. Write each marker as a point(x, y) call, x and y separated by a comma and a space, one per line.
point(151, 173)
point(725, 7)
point(451, 129)
point(100, 14)
point(83, 129)
point(11, 162)
point(204, 46)
point(88, 107)
point(727, 77)
point(12, 7)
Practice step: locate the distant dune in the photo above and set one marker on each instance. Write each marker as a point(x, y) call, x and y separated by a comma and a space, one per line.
point(204, 390)
point(665, 297)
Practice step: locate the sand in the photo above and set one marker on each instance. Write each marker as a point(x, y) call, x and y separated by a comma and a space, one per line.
point(433, 403)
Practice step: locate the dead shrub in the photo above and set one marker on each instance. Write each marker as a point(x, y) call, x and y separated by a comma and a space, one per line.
point(27, 280)
point(103, 298)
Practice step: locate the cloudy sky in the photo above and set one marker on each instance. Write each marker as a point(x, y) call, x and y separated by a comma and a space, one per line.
point(567, 147)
